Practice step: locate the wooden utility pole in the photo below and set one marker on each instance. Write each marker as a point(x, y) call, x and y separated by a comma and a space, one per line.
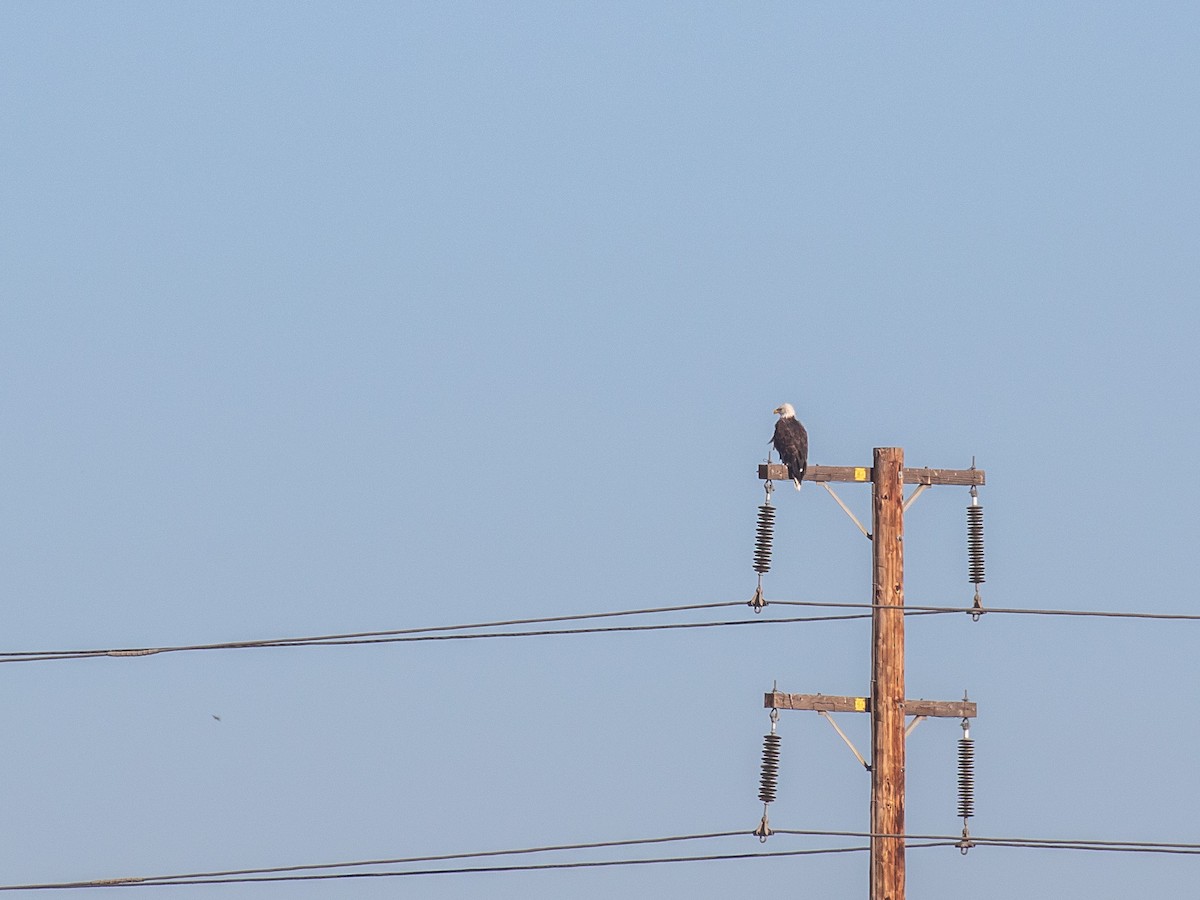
point(887, 676)
point(887, 704)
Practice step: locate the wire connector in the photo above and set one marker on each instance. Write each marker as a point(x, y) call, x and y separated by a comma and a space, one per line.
point(763, 831)
point(758, 602)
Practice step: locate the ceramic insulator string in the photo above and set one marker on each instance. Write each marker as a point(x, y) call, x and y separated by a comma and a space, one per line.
point(966, 778)
point(769, 781)
point(764, 536)
point(975, 540)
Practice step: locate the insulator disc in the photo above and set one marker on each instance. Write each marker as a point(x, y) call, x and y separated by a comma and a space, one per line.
point(763, 537)
point(966, 778)
point(769, 781)
point(975, 544)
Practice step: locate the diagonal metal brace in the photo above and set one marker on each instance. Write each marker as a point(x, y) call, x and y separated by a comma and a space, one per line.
point(912, 498)
point(846, 510)
point(842, 735)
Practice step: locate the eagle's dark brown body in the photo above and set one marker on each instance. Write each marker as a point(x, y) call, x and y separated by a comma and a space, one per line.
point(791, 443)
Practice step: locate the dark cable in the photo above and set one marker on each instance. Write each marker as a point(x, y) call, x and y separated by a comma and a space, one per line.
point(253, 879)
point(290, 873)
point(1018, 611)
point(398, 631)
point(446, 857)
point(413, 635)
point(340, 640)
point(1023, 842)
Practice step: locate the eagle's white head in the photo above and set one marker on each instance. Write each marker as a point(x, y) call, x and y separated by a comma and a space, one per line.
point(785, 411)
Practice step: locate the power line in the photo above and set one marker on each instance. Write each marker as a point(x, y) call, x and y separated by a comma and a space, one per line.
point(1089, 845)
point(272, 642)
point(1030, 843)
point(1013, 610)
point(474, 631)
point(444, 857)
point(407, 636)
point(310, 872)
point(172, 881)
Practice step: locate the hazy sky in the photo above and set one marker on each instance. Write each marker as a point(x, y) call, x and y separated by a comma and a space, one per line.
point(330, 318)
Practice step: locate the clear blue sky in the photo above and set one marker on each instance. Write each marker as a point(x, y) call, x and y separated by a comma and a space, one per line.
point(325, 318)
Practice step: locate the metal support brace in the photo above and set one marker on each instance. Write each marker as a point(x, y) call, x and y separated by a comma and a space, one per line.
point(846, 510)
point(914, 495)
point(917, 720)
point(842, 735)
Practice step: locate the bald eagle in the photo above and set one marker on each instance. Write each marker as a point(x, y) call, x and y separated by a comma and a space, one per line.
point(791, 440)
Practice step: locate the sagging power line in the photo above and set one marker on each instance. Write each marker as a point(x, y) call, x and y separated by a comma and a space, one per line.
point(444, 632)
point(355, 869)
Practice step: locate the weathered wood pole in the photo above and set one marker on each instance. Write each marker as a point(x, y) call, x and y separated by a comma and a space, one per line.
point(887, 676)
